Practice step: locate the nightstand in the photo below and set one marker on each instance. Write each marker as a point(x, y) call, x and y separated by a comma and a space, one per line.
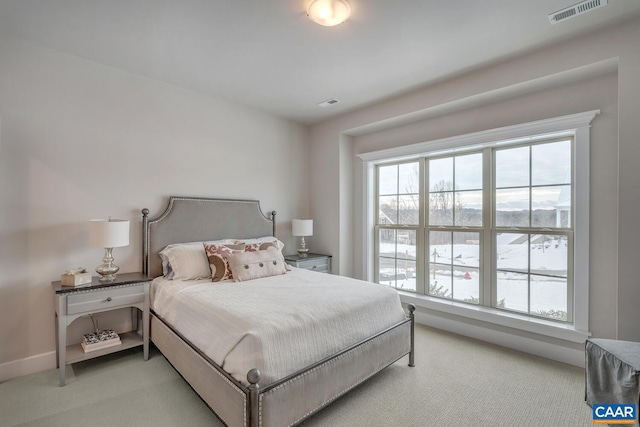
point(313, 262)
point(127, 290)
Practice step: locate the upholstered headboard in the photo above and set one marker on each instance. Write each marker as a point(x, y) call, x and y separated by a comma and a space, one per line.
point(194, 219)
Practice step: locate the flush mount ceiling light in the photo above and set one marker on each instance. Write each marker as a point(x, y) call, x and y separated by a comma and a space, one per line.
point(328, 12)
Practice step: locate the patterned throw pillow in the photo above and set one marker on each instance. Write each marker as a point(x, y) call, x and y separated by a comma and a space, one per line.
point(217, 255)
point(253, 247)
point(259, 240)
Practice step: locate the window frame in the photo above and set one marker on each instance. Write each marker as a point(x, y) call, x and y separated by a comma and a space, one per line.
point(410, 227)
point(454, 228)
point(531, 230)
point(576, 125)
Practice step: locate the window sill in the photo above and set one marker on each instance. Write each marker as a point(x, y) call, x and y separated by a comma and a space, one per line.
point(497, 317)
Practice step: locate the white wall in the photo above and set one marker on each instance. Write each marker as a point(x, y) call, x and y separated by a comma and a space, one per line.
point(598, 71)
point(79, 141)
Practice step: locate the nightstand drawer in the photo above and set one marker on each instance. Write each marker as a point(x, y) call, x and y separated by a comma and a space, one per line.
point(88, 302)
point(312, 262)
point(320, 264)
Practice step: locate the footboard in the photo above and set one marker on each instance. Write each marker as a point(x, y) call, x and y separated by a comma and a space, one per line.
point(294, 398)
point(228, 398)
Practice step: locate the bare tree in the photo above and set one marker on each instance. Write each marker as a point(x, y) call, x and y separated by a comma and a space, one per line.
point(441, 203)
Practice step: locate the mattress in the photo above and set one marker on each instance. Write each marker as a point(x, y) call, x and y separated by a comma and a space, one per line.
point(279, 324)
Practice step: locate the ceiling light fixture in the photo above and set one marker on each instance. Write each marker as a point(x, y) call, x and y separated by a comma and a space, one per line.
point(328, 12)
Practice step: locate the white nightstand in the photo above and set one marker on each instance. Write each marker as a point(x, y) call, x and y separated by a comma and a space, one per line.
point(127, 290)
point(313, 262)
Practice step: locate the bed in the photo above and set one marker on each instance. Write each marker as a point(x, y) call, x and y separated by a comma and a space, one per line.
point(249, 379)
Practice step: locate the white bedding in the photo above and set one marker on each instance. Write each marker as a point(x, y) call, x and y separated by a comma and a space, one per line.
point(279, 324)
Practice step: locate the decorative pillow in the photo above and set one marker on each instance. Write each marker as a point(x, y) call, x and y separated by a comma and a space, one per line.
point(277, 244)
point(257, 264)
point(190, 262)
point(217, 257)
point(264, 239)
point(252, 247)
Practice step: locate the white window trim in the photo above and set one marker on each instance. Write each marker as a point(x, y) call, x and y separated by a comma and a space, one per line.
point(575, 124)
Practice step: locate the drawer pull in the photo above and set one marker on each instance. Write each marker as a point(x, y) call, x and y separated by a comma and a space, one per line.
point(108, 299)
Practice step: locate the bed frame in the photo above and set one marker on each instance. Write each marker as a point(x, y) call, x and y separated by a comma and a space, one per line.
point(291, 399)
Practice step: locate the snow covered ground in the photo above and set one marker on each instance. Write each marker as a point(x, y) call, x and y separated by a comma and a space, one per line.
point(547, 257)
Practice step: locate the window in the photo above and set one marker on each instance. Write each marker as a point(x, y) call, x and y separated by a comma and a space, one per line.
point(489, 220)
point(398, 224)
point(454, 224)
point(533, 233)
point(524, 242)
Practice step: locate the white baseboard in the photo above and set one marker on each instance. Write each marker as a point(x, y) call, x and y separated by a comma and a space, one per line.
point(27, 366)
point(569, 353)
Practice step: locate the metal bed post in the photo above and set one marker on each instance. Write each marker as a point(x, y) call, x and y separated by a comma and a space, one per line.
point(145, 242)
point(412, 308)
point(253, 376)
point(273, 219)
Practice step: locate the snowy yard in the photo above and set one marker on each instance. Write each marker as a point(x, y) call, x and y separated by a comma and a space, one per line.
point(456, 272)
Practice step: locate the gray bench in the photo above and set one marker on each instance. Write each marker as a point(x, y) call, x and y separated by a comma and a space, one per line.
point(612, 372)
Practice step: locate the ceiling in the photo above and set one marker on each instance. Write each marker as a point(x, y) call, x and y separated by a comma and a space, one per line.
point(267, 54)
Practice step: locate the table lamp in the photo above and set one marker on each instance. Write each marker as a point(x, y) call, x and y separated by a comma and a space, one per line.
point(108, 234)
point(302, 228)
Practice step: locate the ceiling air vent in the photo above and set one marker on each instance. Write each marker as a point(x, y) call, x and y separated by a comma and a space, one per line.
point(576, 9)
point(328, 102)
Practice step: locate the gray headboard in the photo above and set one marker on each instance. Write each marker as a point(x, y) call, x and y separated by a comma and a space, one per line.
point(195, 219)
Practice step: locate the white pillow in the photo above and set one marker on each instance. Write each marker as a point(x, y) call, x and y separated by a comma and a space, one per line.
point(187, 261)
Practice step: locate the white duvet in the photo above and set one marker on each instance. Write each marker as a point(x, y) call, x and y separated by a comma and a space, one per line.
point(278, 324)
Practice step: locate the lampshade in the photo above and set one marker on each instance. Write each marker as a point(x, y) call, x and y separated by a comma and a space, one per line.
point(109, 233)
point(328, 12)
point(302, 227)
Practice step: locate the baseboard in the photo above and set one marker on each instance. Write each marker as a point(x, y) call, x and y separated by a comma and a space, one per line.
point(569, 353)
point(27, 366)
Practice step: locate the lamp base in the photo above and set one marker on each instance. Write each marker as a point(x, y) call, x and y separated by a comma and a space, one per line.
point(107, 272)
point(108, 269)
point(303, 251)
point(107, 278)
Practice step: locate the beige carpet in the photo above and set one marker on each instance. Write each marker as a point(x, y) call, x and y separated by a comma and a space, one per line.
point(456, 382)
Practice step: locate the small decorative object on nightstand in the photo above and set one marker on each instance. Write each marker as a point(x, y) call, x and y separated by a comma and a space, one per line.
point(302, 228)
point(127, 290)
point(76, 277)
point(313, 262)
